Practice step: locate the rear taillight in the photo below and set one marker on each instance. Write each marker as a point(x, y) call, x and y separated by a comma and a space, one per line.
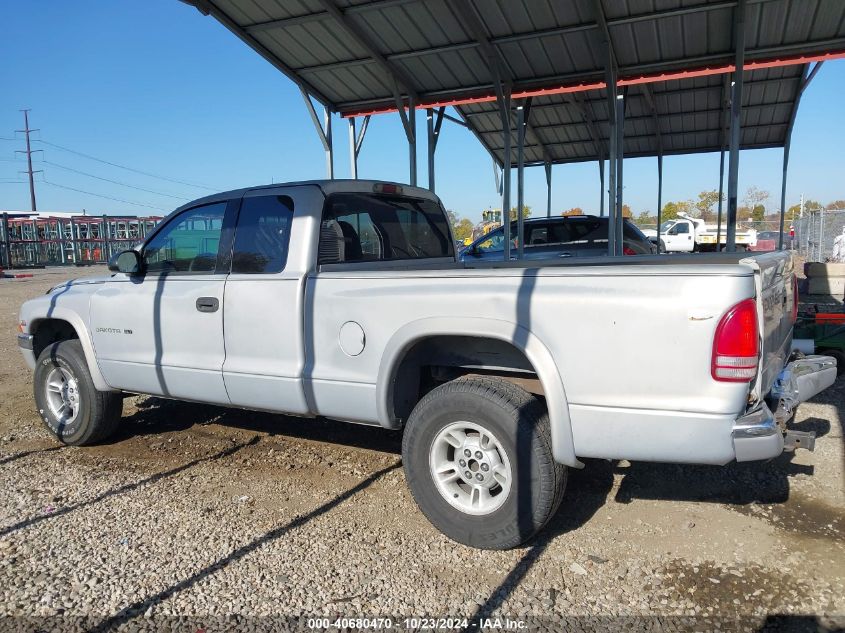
point(794, 298)
point(627, 250)
point(735, 347)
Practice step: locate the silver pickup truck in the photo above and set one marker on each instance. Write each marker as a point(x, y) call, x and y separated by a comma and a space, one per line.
point(345, 299)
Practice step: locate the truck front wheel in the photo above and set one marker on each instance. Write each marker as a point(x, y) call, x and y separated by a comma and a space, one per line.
point(478, 460)
point(67, 401)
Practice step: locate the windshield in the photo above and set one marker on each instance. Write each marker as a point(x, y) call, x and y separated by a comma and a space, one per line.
point(666, 225)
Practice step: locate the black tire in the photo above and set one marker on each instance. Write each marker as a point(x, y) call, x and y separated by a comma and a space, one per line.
point(661, 247)
point(520, 423)
point(98, 411)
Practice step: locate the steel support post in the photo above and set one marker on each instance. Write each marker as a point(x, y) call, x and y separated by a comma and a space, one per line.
point(433, 126)
point(106, 239)
point(601, 187)
point(721, 195)
point(74, 242)
point(806, 77)
point(7, 247)
point(520, 180)
point(620, 157)
point(736, 113)
point(659, 194)
point(610, 73)
point(412, 142)
point(783, 187)
point(548, 167)
point(327, 117)
point(429, 122)
point(504, 98)
point(324, 134)
point(353, 155)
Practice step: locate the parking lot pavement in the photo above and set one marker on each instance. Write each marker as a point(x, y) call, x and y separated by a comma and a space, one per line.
point(211, 513)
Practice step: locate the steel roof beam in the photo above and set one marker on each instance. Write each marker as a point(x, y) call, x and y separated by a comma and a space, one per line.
point(503, 39)
point(589, 102)
point(472, 23)
point(323, 15)
point(207, 7)
point(631, 75)
point(587, 114)
point(652, 117)
point(645, 137)
point(394, 75)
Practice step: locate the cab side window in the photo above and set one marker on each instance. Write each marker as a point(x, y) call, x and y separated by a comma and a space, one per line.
point(262, 235)
point(188, 243)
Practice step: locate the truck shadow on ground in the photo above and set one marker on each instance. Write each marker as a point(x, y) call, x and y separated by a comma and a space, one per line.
point(139, 607)
point(124, 489)
point(156, 416)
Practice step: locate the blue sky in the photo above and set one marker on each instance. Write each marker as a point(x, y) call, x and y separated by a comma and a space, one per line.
point(160, 88)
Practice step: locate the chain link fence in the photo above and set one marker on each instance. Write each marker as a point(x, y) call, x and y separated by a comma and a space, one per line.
point(815, 234)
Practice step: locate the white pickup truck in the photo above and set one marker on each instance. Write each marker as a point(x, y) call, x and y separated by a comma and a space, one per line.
point(686, 234)
point(345, 299)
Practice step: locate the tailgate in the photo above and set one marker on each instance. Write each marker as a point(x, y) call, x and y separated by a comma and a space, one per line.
point(773, 278)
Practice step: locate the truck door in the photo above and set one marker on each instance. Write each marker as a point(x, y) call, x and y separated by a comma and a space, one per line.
point(679, 238)
point(263, 307)
point(161, 332)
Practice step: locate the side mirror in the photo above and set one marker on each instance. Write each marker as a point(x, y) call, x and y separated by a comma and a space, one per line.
point(128, 262)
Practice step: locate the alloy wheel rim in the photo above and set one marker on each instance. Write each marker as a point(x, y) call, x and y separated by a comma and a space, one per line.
point(62, 394)
point(470, 468)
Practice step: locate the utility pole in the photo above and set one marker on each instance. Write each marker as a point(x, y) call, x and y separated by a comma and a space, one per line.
point(28, 153)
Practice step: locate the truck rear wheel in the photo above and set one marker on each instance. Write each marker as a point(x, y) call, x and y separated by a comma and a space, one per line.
point(67, 401)
point(478, 460)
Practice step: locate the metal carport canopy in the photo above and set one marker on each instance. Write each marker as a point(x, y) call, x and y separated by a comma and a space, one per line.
point(357, 57)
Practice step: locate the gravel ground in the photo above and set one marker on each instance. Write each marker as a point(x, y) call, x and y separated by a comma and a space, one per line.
point(198, 516)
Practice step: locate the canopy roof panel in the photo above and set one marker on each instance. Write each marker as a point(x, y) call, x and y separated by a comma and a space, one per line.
point(363, 56)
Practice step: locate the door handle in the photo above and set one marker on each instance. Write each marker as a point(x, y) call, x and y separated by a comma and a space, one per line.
point(208, 304)
point(565, 254)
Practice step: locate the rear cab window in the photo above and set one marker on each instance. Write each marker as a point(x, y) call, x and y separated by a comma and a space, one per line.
point(262, 235)
point(370, 227)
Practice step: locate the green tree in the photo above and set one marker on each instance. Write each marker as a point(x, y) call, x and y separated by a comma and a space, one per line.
point(812, 206)
point(645, 218)
point(758, 213)
point(670, 211)
point(526, 212)
point(463, 229)
point(706, 201)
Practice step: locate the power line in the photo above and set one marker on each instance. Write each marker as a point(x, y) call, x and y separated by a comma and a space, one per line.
point(116, 182)
point(99, 195)
point(137, 171)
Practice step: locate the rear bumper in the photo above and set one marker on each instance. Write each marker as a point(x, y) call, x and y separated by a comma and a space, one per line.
point(762, 434)
point(756, 436)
